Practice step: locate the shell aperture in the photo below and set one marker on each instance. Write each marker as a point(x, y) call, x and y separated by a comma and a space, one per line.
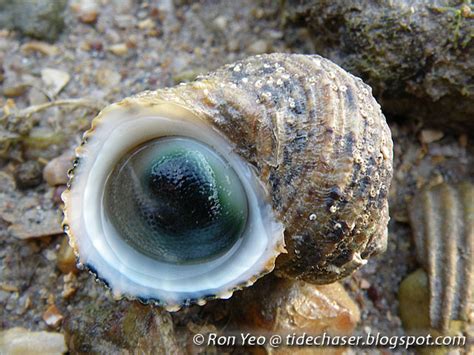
point(129, 267)
point(305, 142)
point(176, 200)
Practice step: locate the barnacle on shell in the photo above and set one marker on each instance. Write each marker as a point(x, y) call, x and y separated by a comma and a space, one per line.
point(442, 218)
point(189, 193)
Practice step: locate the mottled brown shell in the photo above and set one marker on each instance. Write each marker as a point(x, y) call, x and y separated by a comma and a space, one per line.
point(442, 219)
point(320, 145)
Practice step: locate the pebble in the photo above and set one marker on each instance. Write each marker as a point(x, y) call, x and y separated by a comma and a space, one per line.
point(258, 13)
point(14, 90)
point(41, 138)
point(107, 78)
point(24, 303)
point(124, 328)
point(258, 47)
point(52, 316)
point(36, 223)
point(18, 341)
point(364, 284)
point(28, 175)
point(337, 311)
point(286, 306)
point(50, 255)
point(40, 47)
point(55, 172)
point(55, 80)
point(221, 22)
point(70, 285)
point(119, 49)
point(146, 24)
point(66, 261)
point(430, 135)
point(87, 11)
point(12, 303)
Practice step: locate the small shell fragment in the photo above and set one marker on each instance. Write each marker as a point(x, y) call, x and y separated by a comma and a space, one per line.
point(52, 316)
point(55, 80)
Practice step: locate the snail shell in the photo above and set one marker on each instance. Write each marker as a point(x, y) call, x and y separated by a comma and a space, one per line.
point(442, 218)
point(305, 141)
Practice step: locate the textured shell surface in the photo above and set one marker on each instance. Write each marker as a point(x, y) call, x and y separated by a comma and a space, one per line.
point(310, 147)
point(442, 218)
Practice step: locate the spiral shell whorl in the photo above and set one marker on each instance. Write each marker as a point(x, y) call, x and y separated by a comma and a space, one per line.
point(320, 145)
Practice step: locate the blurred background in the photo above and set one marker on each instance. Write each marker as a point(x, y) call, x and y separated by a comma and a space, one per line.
point(62, 61)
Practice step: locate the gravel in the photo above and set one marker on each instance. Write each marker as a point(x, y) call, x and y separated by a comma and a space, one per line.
point(127, 48)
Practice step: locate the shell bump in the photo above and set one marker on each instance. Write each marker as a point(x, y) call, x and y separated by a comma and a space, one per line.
point(291, 148)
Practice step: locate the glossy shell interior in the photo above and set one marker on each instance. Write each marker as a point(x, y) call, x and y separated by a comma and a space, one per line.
point(129, 273)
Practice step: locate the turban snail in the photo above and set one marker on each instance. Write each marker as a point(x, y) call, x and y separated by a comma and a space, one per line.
point(189, 193)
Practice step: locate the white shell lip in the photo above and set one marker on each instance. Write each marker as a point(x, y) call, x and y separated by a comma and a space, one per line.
point(130, 274)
